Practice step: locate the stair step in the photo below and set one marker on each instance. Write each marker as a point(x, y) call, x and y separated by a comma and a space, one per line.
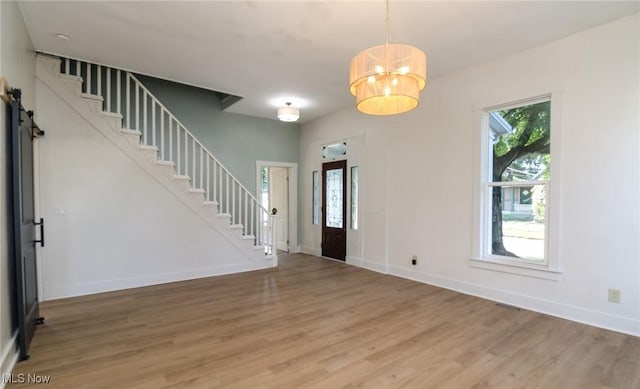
point(210, 203)
point(165, 163)
point(197, 193)
point(183, 181)
point(150, 151)
point(236, 226)
point(132, 136)
point(70, 77)
point(112, 114)
point(115, 119)
point(169, 168)
point(224, 215)
point(92, 97)
point(248, 237)
point(74, 81)
point(130, 132)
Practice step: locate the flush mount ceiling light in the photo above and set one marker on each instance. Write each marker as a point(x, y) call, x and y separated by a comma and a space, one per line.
point(387, 79)
point(288, 113)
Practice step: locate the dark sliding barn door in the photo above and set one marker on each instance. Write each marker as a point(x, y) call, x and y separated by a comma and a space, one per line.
point(23, 130)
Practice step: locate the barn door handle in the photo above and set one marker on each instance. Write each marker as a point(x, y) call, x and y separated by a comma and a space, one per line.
point(41, 224)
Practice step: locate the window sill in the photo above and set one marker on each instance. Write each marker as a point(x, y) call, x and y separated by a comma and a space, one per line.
point(523, 269)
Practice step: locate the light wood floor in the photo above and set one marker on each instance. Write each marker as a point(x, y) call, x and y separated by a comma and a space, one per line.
point(314, 323)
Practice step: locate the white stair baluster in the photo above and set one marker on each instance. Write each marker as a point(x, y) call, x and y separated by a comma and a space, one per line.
point(99, 80)
point(201, 170)
point(118, 97)
point(246, 213)
point(144, 120)
point(171, 140)
point(108, 70)
point(178, 159)
point(193, 163)
point(88, 78)
point(208, 180)
point(162, 134)
point(215, 169)
point(153, 123)
point(186, 153)
point(260, 216)
point(128, 106)
point(137, 111)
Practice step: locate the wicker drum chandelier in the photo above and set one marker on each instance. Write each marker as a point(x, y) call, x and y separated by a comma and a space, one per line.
point(388, 79)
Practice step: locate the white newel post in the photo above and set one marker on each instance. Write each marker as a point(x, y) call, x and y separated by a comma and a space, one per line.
point(274, 250)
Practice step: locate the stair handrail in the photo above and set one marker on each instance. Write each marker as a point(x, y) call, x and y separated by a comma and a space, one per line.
point(172, 116)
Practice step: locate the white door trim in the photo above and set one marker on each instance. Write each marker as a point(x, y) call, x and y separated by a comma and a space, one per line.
point(293, 197)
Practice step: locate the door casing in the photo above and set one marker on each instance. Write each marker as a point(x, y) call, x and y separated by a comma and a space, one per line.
point(334, 239)
point(293, 197)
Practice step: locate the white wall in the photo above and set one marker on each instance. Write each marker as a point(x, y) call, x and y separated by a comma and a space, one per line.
point(418, 176)
point(312, 152)
point(17, 65)
point(109, 224)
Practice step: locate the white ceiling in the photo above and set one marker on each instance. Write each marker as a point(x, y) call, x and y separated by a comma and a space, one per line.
point(272, 51)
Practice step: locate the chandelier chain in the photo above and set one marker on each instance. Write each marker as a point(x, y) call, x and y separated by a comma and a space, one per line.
point(386, 23)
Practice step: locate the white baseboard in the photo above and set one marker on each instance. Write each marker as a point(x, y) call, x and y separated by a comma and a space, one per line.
point(316, 251)
point(64, 291)
point(355, 261)
point(566, 311)
point(9, 358)
point(374, 266)
point(377, 267)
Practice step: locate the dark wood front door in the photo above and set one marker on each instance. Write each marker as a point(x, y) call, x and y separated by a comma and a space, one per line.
point(334, 210)
point(23, 131)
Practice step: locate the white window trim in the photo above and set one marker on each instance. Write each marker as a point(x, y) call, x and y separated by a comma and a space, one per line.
point(480, 258)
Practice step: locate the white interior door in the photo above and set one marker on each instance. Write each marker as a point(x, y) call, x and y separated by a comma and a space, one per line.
point(279, 199)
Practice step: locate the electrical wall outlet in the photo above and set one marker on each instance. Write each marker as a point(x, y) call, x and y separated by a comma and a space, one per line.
point(614, 296)
point(414, 260)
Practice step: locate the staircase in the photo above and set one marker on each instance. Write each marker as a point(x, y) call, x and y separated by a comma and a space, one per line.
point(117, 104)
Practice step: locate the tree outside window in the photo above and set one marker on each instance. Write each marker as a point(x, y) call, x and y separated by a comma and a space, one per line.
point(519, 166)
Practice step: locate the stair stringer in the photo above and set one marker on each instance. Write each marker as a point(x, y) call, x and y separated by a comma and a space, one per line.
point(89, 107)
